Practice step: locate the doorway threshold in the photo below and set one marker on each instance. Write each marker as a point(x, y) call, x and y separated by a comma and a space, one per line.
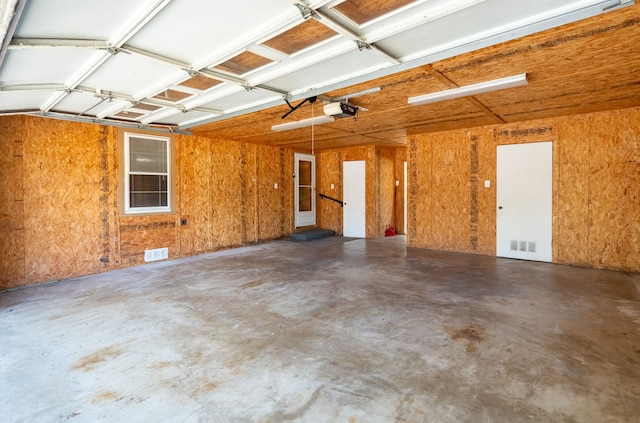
point(308, 234)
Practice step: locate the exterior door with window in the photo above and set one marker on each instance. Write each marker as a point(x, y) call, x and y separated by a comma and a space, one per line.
point(305, 189)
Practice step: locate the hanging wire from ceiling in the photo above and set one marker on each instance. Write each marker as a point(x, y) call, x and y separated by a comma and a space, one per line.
point(313, 105)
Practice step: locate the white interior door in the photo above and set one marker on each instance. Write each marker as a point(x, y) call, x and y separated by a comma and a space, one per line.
point(354, 210)
point(524, 197)
point(305, 190)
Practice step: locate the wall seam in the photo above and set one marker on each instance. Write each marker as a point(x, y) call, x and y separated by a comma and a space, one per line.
point(473, 193)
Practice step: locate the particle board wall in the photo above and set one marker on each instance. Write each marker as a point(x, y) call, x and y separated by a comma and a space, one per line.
point(400, 158)
point(386, 189)
point(12, 267)
point(227, 193)
point(379, 190)
point(442, 221)
point(600, 168)
point(329, 170)
point(61, 214)
point(63, 178)
point(596, 187)
point(329, 164)
point(196, 194)
point(269, 199)
point(140, 233)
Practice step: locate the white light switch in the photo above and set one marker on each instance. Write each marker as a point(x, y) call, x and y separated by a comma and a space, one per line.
point(331, 186)
point(275, 185)
point(487, 183)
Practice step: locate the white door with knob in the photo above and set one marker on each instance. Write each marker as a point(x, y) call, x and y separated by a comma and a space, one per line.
point(524, 198)
point(355, 207)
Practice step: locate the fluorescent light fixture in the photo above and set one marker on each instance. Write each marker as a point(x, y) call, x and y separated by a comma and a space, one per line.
point(468, 90)
point(318, 120)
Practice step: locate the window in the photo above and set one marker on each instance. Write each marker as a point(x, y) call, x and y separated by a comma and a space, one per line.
point(147, 174)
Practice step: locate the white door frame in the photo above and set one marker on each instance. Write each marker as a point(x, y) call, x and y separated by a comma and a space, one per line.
point(524, 197)
point(305, 217)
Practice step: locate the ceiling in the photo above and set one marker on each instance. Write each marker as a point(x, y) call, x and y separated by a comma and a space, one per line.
point(228, 69)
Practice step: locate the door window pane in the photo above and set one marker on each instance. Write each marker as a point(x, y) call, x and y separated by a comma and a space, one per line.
point(304, 168)
point(304, 199)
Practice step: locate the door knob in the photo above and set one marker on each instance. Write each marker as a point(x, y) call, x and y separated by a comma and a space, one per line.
point(500, 207)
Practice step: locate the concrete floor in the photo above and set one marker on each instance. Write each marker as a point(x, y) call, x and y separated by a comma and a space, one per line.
point(331, 330)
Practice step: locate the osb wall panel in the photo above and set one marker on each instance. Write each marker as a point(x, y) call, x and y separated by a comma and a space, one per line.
point(483, 240)
point(571, 204)
point(140, 233)
point(612, 185)
point(287, 196)
point(250, 207)
point(420, 223)
point(334, 167)
point(451, 173)
point(12, 270)
point(400, 158)
point(371, 189)
point(450, 207)
point(229, 161)
point(109, 200)
point(66, 175)
point(329, 166)
point(386, 195)
point(462, 215)
point(269, 199)
point(380, 171)
point(194, 185)
point(63, 173)
point(596, 180)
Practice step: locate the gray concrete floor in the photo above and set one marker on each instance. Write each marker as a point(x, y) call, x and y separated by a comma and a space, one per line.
point(331, 330)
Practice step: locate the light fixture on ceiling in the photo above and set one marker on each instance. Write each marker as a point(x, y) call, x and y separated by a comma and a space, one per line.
point(318, 120)
point(469, 90)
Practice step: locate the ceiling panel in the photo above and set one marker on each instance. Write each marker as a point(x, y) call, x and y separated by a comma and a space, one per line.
point(363, 11)
point(182, 118)
point(200, 82)
point(72, 19)
point(22, 100)
point(129, 73)
point(342, 67)
point(194, 30)
point(244, 97)
point(499, 19)
point(225, 67)
point(243, 63)
point(79, 103)
point(172, 95)
point(44, 66)
point(300, 37)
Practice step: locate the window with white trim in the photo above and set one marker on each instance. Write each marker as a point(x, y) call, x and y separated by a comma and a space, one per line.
point(147, 173)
